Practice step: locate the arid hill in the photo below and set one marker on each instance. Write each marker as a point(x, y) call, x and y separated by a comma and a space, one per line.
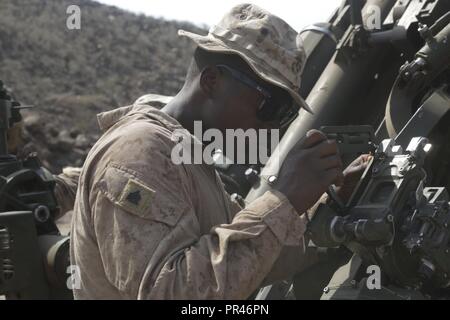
point(71, 75)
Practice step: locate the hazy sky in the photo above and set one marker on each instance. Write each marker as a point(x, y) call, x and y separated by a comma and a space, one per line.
point(298, 13)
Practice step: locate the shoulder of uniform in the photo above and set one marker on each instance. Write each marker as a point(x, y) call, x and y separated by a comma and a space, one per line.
point(156, 100)
point(144, 139)
point(159, 192)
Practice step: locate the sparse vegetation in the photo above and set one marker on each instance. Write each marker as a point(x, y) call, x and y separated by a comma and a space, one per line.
point(71, 75)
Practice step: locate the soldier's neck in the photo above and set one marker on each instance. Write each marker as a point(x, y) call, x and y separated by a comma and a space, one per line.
point(183, 109)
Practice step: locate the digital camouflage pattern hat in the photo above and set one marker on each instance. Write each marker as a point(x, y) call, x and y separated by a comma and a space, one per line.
point(271, 47)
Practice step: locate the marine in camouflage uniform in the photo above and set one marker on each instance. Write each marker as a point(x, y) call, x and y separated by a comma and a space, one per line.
point(145, 228)
point(67, 181)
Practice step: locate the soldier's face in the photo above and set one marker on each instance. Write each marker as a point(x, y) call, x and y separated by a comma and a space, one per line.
point(236, 105)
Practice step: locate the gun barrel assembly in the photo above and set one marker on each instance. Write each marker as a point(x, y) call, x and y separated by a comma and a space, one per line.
point(394, 79)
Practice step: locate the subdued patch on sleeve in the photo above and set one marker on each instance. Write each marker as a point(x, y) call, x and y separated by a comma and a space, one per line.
point(154, 199)
point(136, 198)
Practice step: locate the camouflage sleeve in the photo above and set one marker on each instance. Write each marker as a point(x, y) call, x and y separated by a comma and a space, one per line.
point(232, 261)
point(293, 259)
point(66, 189)
point(149, 236)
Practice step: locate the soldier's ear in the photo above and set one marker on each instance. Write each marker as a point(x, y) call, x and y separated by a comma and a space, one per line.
point(209, 80)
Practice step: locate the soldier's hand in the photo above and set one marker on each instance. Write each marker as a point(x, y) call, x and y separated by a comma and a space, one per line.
point(309, 169)
point(352, 174)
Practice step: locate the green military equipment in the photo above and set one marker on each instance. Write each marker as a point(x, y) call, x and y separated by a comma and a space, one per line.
point(33, 255)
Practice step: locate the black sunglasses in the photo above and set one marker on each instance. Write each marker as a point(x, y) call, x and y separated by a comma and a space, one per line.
point(279, 109)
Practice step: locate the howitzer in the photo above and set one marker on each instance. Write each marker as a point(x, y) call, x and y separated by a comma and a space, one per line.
point(33, 255)
point(391, 222)
point(396, 78)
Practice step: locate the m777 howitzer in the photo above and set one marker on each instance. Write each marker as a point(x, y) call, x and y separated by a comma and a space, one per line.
point(383, 63)
point(391, 223)
point(33, 255)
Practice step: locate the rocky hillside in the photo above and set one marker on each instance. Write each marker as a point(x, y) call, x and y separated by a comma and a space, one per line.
point(71, 75)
